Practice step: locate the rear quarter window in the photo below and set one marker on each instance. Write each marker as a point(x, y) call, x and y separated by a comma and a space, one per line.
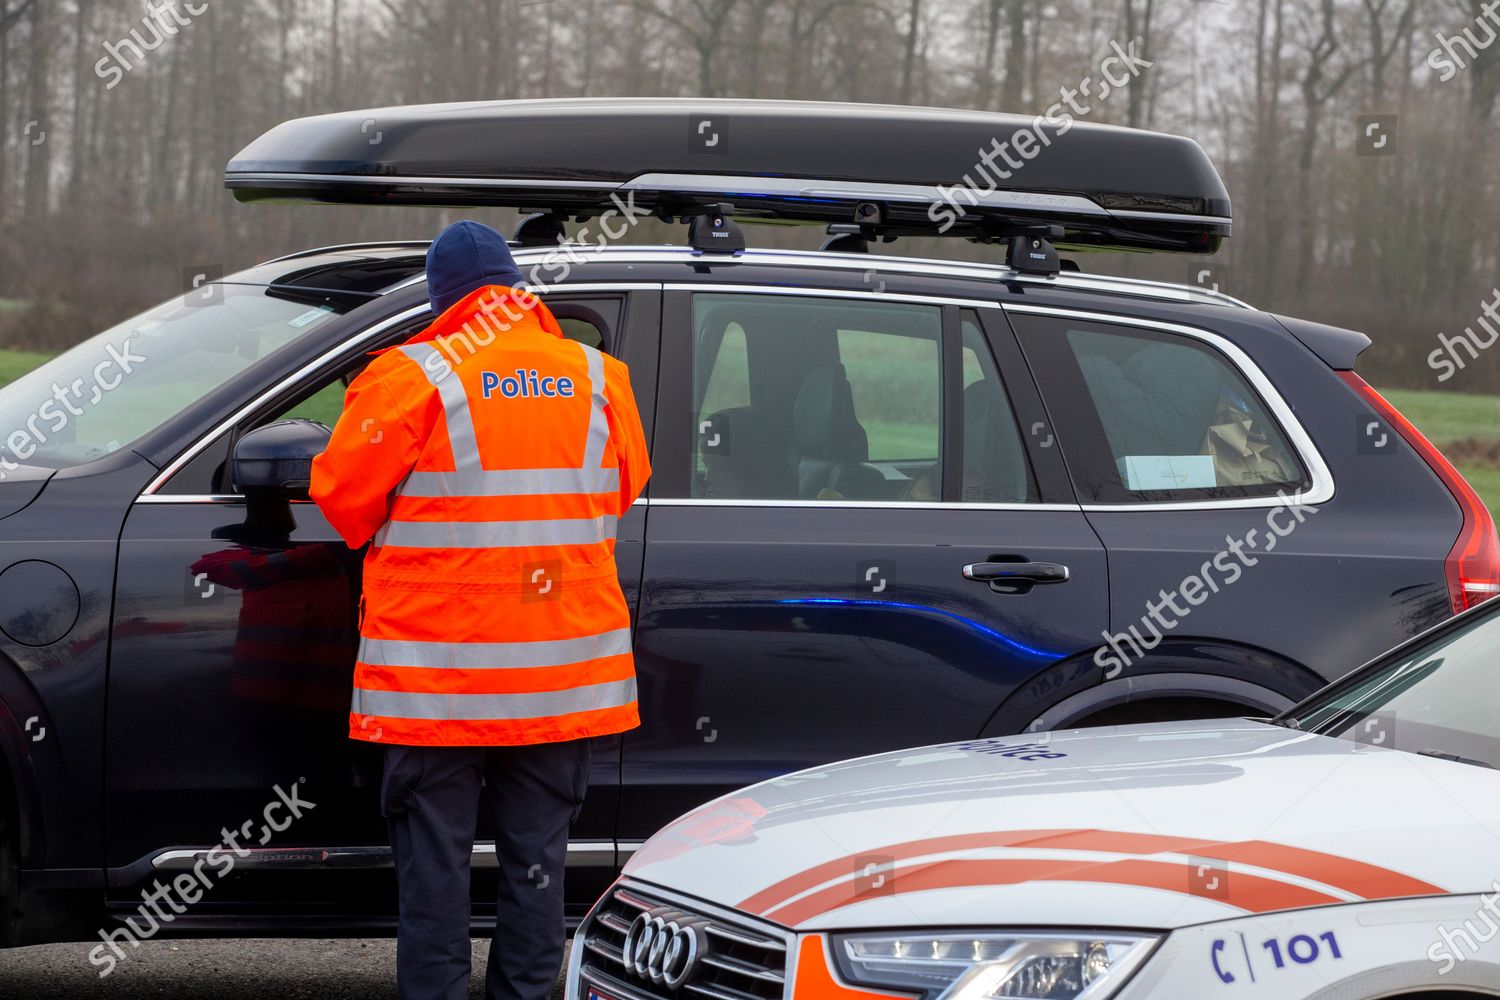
point(1148, 416)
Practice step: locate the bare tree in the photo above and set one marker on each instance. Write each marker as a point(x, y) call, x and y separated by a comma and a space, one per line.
point(1011, 18)
point(39, 101)
point(10, 16)
point(1139, 18)
point(1484, 69)
point(1270, 39)
point(805, 19)
point(909, 47)
point(702, 23)
point(1321, 81)
point(1386, 37)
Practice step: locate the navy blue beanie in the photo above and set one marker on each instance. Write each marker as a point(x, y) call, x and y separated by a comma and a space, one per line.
point(464, 258)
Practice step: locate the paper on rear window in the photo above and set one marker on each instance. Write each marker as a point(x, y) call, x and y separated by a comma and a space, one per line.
point(1168, 472)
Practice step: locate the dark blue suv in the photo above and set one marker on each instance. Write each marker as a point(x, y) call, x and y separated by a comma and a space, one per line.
point(897, 501)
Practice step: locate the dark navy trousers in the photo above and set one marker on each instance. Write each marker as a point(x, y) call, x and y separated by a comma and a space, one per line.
point(430, 798)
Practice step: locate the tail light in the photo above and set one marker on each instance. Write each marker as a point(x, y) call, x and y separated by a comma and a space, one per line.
point(1473, 565)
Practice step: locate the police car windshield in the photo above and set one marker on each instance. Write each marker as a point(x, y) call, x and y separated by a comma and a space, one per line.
point(1442, 700)
point(115, 388)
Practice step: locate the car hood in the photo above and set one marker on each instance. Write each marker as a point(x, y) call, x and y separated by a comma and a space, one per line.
point(20, 485)
point(1155, 826)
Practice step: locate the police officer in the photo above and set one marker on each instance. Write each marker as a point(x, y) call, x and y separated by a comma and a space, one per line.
point(488, 459)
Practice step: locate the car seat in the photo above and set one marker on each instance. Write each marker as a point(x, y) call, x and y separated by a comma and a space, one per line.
point(744, 458)
point(830, 450)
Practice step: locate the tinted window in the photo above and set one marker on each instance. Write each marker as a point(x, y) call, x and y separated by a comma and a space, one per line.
point(1146, 416)
point(816, 398)
point(995, 465)
point(589, 321)
point(113, 389)
point(327, 403)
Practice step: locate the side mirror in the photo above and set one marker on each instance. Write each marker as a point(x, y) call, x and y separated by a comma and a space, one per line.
point(277, 459)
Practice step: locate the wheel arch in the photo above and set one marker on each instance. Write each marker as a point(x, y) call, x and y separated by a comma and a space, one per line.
point(1076, 688)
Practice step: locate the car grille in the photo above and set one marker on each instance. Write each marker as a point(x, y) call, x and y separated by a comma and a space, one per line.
point(734, 962)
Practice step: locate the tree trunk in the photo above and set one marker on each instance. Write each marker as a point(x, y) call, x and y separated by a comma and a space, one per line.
point(1015, 57)
point(38, 109)
point(77, 164)
point(909, 55)
point(335, 56)
point(1484, 72)
point(1138, 28)
point(1271, 16)
point(985, 92)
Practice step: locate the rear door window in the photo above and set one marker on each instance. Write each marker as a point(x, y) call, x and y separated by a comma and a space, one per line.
point(802, 398)
point(1147, 416)
point(810, 398)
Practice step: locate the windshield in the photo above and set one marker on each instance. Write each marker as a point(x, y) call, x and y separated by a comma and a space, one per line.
point(124, 383)
point(1442, 700)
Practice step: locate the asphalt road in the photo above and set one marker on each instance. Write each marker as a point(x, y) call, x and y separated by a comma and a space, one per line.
point(217, 970)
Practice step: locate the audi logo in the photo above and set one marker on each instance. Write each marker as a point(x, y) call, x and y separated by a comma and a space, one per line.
point(663, 946)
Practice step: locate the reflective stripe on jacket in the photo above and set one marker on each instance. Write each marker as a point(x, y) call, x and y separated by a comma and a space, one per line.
point(489, 459)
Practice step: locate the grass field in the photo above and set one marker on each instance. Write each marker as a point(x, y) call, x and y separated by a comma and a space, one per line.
point(14, 364)
point(1448, 418)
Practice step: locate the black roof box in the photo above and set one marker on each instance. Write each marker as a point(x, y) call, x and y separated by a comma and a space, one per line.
point(779, 160)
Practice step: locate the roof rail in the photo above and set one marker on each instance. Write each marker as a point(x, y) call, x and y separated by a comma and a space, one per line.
point(1075, 281)
point(341, 247)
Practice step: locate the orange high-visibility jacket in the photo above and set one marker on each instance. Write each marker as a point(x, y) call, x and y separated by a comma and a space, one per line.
point(489, 459)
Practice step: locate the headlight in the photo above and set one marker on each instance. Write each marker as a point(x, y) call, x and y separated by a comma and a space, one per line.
point(992, 965)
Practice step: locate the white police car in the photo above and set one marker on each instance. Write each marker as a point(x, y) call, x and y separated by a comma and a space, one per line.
point(1348, 850)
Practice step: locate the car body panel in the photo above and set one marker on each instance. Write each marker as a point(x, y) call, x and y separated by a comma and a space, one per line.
point(22, 485)
point(52, 694)
point(1331, 953)
point(1159, 826)
point(783, 607)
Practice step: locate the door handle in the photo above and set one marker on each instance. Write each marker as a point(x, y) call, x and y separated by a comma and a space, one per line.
point(1015, 577)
